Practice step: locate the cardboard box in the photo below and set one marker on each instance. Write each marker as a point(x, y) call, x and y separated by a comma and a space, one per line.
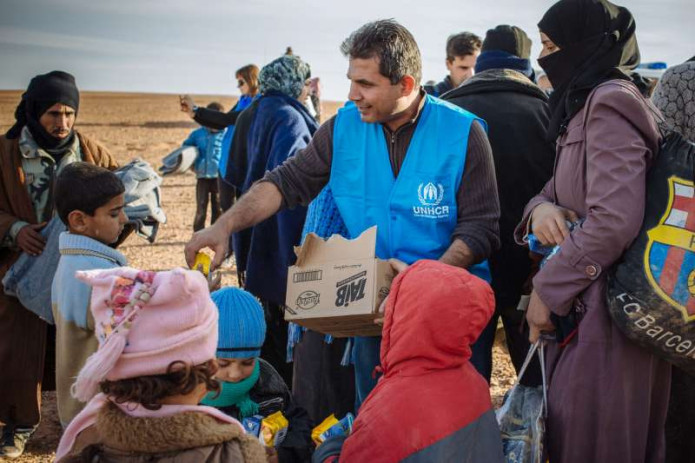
point(337, 285)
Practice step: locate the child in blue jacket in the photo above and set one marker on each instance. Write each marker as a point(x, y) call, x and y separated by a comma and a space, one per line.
point(206, 166)
point(90, 201)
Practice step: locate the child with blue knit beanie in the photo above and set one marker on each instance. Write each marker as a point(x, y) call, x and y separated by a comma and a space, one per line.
point(250, 385)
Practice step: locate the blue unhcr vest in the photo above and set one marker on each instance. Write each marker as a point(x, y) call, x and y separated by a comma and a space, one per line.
point(416, 212)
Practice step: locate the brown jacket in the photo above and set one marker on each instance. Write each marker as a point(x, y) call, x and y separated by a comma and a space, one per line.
point(183, 438)
point(15, 203)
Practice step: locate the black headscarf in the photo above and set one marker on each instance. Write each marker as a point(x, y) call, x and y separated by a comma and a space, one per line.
point(597, 43)
point(44, 91)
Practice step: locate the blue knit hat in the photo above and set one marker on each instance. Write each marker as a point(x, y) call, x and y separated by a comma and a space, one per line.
point(241, 324)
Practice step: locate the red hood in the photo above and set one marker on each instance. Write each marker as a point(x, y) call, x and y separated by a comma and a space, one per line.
point(426, 301)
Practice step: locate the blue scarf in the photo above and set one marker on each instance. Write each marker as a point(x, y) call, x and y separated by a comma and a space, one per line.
point(498, 59)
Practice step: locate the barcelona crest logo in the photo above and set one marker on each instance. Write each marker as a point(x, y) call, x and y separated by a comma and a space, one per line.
point(669, 259)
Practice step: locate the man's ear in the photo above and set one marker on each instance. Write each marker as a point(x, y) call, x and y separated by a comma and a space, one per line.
point(407, 84)
point(449, 64)
point(77, 221)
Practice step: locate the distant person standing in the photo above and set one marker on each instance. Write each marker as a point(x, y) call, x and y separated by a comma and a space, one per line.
point(268, 134)
point(36, 149)
point(247, 83)
point(462, 51)
point(516, 110)
point(315, 97)
point(206, 166)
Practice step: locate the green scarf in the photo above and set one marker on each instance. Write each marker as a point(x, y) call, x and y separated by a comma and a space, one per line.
point(236, 394)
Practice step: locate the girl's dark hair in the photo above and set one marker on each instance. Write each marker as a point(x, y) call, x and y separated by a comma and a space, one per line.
point(250, 75)
point(181, 378)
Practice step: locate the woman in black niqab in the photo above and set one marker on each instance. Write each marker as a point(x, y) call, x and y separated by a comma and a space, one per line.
point(596, 41)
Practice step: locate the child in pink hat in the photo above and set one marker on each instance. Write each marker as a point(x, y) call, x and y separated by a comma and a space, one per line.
point(157, 336)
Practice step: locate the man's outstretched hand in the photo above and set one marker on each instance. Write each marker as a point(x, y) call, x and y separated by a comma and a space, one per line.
point(214, 237)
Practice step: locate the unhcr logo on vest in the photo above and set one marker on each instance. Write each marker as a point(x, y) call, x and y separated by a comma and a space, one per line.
point(430, 196)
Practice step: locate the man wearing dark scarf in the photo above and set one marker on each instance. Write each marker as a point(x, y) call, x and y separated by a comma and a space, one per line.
point(607, 396)
point(502, 93)
point(40, 143)
point(274, 128)
point(45, 91)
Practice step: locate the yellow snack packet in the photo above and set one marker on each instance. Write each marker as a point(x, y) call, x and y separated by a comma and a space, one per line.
point(202, 262)
point(273, 429)
point(321, 428)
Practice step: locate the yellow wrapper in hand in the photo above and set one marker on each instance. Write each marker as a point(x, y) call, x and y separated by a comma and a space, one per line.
point(273, 429)
point(202, 263)
point(323, 427)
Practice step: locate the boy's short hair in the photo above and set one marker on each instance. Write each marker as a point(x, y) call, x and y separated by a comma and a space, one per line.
point(465, 43)
point(215, 106)
point(84, 187)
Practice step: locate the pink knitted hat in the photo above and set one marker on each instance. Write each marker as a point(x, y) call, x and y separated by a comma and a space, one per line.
point(144, 321)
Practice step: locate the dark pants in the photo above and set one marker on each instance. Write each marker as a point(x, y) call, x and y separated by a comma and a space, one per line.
point(365, 354)
point(274, 350)
point(321, 384)
point(206, 190)
point(227, 194)
point(680, 421)
point(22, 355)
point(517, 344)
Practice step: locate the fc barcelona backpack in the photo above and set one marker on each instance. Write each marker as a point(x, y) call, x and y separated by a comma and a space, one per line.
point(651, 291)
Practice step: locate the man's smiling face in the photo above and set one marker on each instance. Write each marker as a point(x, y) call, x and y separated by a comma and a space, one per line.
point(375, 96)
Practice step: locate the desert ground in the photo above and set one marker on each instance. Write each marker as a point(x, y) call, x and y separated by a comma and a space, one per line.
point(149, 126)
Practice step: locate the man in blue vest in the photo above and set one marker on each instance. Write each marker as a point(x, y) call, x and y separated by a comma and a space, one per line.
point(417, 167)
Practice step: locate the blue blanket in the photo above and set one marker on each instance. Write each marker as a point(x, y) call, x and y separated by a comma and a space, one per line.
point(281, 126)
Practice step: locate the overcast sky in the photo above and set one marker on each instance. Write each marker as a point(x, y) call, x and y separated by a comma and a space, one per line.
point(186, 46)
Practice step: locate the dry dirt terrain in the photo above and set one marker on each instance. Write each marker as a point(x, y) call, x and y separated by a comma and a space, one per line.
point(149, 126)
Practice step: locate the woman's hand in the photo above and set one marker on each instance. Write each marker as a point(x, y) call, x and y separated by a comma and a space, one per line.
point(548, 223)
point(538, 318)
point(187, 105)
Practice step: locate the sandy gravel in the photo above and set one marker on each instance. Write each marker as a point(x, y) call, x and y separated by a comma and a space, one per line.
point(149, 126)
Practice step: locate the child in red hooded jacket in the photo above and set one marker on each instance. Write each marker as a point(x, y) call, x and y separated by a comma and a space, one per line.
point(430, 404)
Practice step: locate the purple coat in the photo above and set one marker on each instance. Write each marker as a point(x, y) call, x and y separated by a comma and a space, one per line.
point(607, 396)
